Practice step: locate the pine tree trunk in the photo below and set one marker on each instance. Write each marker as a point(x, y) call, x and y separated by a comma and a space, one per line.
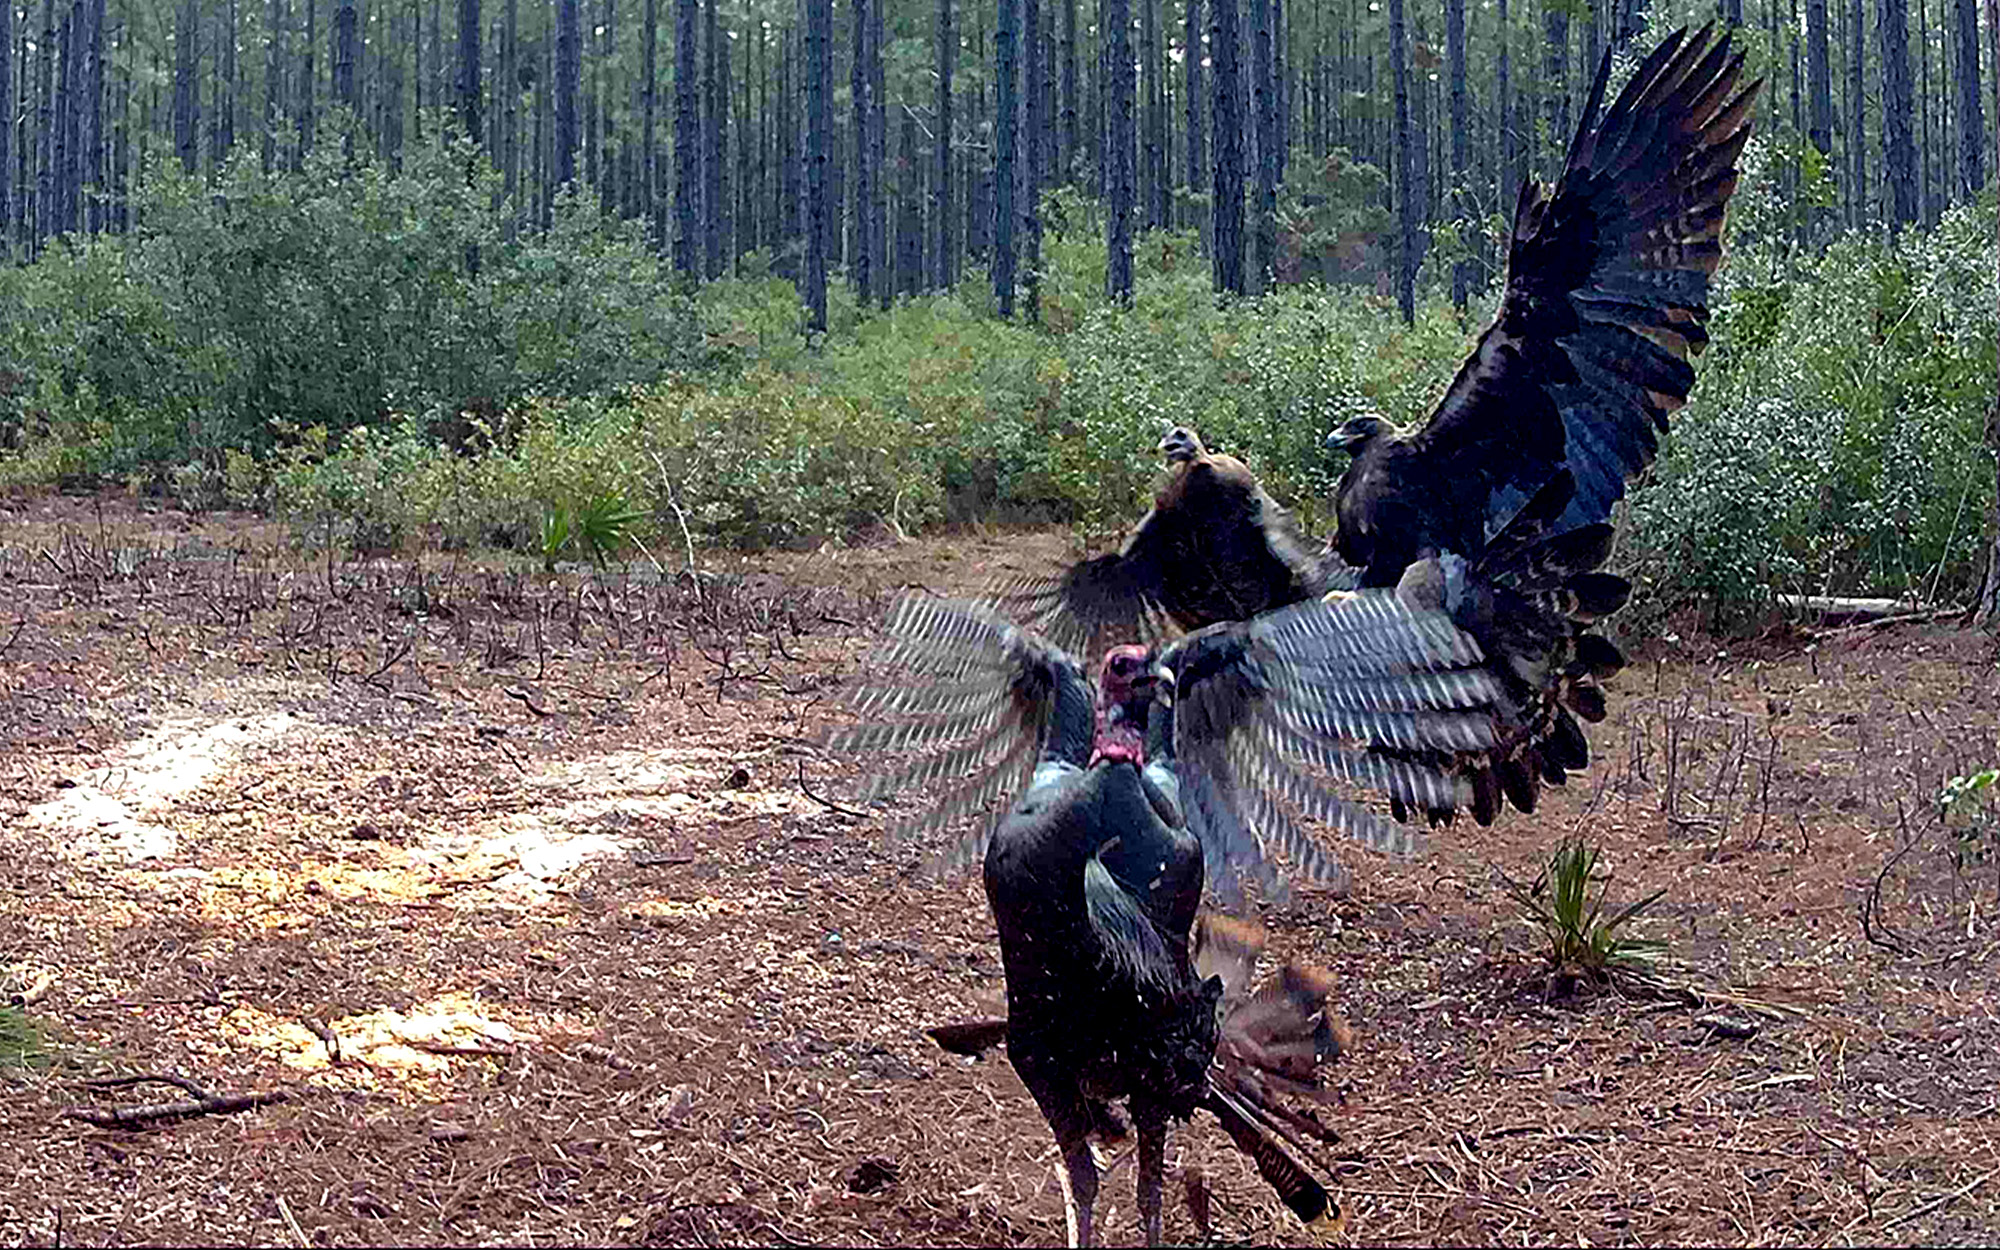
point(1066, 172)
point(1031, 155)
point(1971, 122)
point(1819, 89)
point(1856, 147)
point(1555, 24)
point(910, 228)
point(860, 214)
point(343, 52)
point(1006, 115)
point(1454, 40)
point(8, 185)
point(308, 87)
point(569, 76)
point(1263, 100)
point(274, 71)
point(944, 268)
point(687, 137)
point(1119, 158)
point(1226, 209)
point(1988, 611)
point(1406, 200)
point(1510, 179)
point(510, 107)
point(93, 113)
point(649, 179)
point(1194, 97)
point(819, 102)
point(187, 93)
point(715, 108)
point(1899, 153)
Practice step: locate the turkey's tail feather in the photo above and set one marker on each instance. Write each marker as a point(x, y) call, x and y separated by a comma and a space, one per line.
point(1281, 1170)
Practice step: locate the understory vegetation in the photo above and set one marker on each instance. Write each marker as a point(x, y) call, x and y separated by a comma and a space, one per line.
point(374, 355)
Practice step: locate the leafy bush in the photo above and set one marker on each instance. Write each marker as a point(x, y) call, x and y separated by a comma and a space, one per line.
point(1835, 440)
point(331, 298)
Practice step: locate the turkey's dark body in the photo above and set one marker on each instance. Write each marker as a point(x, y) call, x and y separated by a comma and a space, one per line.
point(1082, 1030)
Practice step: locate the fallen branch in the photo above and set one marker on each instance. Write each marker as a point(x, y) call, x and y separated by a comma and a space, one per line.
point(826, 803)
point(527, 700)
point(120, 1082)
point(125, 1117)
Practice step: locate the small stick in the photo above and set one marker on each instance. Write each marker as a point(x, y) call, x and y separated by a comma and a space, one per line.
point(826, 803)
point(298, 1235)
point(119, 1082)
point(124, 1117)
point(1935, 1203)
point(527, 700)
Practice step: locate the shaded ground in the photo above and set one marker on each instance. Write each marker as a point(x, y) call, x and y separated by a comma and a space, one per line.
point(551, 863)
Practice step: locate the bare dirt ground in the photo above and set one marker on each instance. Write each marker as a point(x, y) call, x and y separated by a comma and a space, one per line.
point(529, 894)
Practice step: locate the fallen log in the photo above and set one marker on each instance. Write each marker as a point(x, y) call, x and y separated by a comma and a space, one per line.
point(125, 1117)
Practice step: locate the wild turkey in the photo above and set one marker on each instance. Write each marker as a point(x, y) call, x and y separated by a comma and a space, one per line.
point(1214, 547)
point(1170, 772)
point(1267, 1042)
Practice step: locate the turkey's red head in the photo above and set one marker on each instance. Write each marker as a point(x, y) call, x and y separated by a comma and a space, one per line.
point(1124, 689)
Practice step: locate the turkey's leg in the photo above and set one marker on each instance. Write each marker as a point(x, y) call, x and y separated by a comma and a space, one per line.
point(1151, 1127)
point(1078, 1175)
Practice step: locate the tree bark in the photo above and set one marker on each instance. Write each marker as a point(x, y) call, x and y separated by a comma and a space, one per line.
point(687, 133)
point(819, 101)
point(187, 94)
point(468, 70)
point(715, 115)
point(1856, 147)
point(1032, 122)
point(1226, 230)
point(1119, 156)
point(944, 267)
point(861, 214)
point(344, 22)
point(8, 103)
point(1510, 180)
point(1971, 122)
point(1899, 151)
point(1406, 200)
point(1555, 70)
point(1454, 39)
point(1193, 96)
point(1263, 100)
point(1066, 172)
point(1006, 112)
point(649, 177)
point(569, 75)
point(1988, 612)
point(1819, 85)
point(308, 87)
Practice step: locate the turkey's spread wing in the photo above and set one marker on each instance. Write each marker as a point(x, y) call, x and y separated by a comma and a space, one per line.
point(1276, 717)
point(1607, 293)
point(973, 700)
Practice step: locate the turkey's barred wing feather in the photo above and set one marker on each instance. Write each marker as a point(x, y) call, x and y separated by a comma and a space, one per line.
point(1607, 293)
point(1272, 713)
point(974, 699)
point(1106, 599)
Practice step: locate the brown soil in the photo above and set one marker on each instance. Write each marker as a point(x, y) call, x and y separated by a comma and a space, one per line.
point(556, 865)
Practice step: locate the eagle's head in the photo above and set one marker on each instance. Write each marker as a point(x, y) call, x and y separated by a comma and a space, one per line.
point(1356, 433)
point(1181, 445)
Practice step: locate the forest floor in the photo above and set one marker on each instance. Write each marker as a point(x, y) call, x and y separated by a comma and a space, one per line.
point(532, 897)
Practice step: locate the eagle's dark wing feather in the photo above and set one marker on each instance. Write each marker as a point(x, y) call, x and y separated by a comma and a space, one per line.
point(1213, 548)
point(1606, 299)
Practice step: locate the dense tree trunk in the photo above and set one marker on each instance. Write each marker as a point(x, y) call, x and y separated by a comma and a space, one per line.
point(1819, 86)
point(93, 111)
point(878, 138)
point(274, 70)
point(1899, 152)
point(510, 85)
point(1264, 105)
point(1510, 178)
point(1454, 40)
point(187, 89)
point(649, 177)
point(944, 266)
point(715, 115)
point(1006, 115)
point(1031, 155)
point(568, 83)
point(1555, 81)
point(1856, 147)
point(308, 87)
point(1226, 229)
point(1119, 156)
point(1988, 612)
point(344, 21)
point(1194, 98)
point(8, 103)
point(861, 214)
point(818, 154)
point(1066, 173)
point(1406, 200)
point(1971, 122)
point(468, 69)
point(910, 223)
point(687, 135)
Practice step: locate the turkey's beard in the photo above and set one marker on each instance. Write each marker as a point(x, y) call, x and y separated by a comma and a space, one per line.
point(1121, 734)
